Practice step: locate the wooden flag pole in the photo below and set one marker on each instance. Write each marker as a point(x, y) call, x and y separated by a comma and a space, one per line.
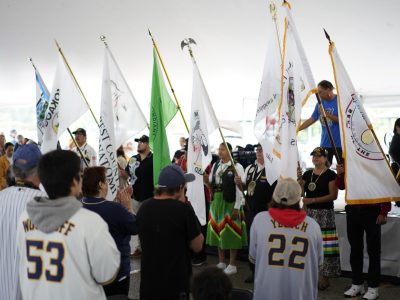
point(325, 120)
point(169, 81)
point(77, 147)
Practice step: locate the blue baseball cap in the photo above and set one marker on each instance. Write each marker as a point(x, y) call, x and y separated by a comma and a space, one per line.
point(172, 176)
point(27, 156)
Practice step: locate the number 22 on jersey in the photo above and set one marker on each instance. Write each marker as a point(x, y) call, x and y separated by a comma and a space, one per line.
point(298, 247)
point(54, 267)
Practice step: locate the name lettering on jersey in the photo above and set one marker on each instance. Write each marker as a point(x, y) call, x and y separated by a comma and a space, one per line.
point(302, 226)
point(64, 228)
point(28, 225)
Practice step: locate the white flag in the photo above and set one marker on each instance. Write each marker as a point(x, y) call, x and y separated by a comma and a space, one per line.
point(202, 123)
point(42, 102)
point(284, 90)
point(129, 119)
point(65, 107)
point(265, 123)
point(368, 177)
point(107, 145)
point(297, 83)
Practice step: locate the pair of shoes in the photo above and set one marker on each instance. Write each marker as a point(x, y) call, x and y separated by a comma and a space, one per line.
point(250, 278)
point(323, 283)
point(354, 291)
point(371, 294)
point(221, 266)
point(197, 262)
point(230, 270)
point(137, 253)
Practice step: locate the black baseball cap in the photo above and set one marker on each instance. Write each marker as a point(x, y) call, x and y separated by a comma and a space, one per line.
point(144, 139)
point(80, 131)
point(319, 151)
point(179, 153)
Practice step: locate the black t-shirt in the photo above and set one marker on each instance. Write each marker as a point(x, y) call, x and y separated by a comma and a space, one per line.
point(141, 176)
point(263, 191)
point(165, 229)
point(322, 188)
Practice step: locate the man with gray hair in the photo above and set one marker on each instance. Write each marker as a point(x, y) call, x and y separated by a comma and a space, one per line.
point(286, 247)
point(12, 203)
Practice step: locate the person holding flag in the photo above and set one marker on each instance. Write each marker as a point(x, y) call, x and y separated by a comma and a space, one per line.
point(319, 186)
point(85, 152)
point(360, 218)
point(368, 196)
point(329, 102)
point(226, 226)
point(259, 193)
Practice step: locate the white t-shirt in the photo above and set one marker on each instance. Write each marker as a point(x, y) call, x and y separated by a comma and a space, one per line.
point(69, 263)
point(12, 203)
point(287, 259)
point(89, 153)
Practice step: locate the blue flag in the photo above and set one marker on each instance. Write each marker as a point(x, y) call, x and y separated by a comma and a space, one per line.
point(42, 102)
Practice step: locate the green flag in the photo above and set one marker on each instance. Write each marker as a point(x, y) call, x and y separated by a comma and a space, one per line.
point(162, 110)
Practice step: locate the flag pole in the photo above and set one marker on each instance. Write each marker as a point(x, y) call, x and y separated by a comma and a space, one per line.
point(33, 64)
point(370, 127)
point(325, 120)
point(187, 42)
point(169, 81)
point(328, 130)
point(76, 82)
point(36, 72)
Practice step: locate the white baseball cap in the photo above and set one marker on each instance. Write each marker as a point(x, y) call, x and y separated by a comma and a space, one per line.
point(287, 192)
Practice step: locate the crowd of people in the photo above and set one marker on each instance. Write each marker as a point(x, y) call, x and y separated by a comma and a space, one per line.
point(61, 238)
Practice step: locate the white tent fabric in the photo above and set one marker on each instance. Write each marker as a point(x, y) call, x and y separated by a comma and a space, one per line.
point(230, 37)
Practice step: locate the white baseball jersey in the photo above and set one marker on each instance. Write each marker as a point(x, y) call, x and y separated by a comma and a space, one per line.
point(89, 154)
point(12, 203)
point(287, 259)
point(69, 263)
